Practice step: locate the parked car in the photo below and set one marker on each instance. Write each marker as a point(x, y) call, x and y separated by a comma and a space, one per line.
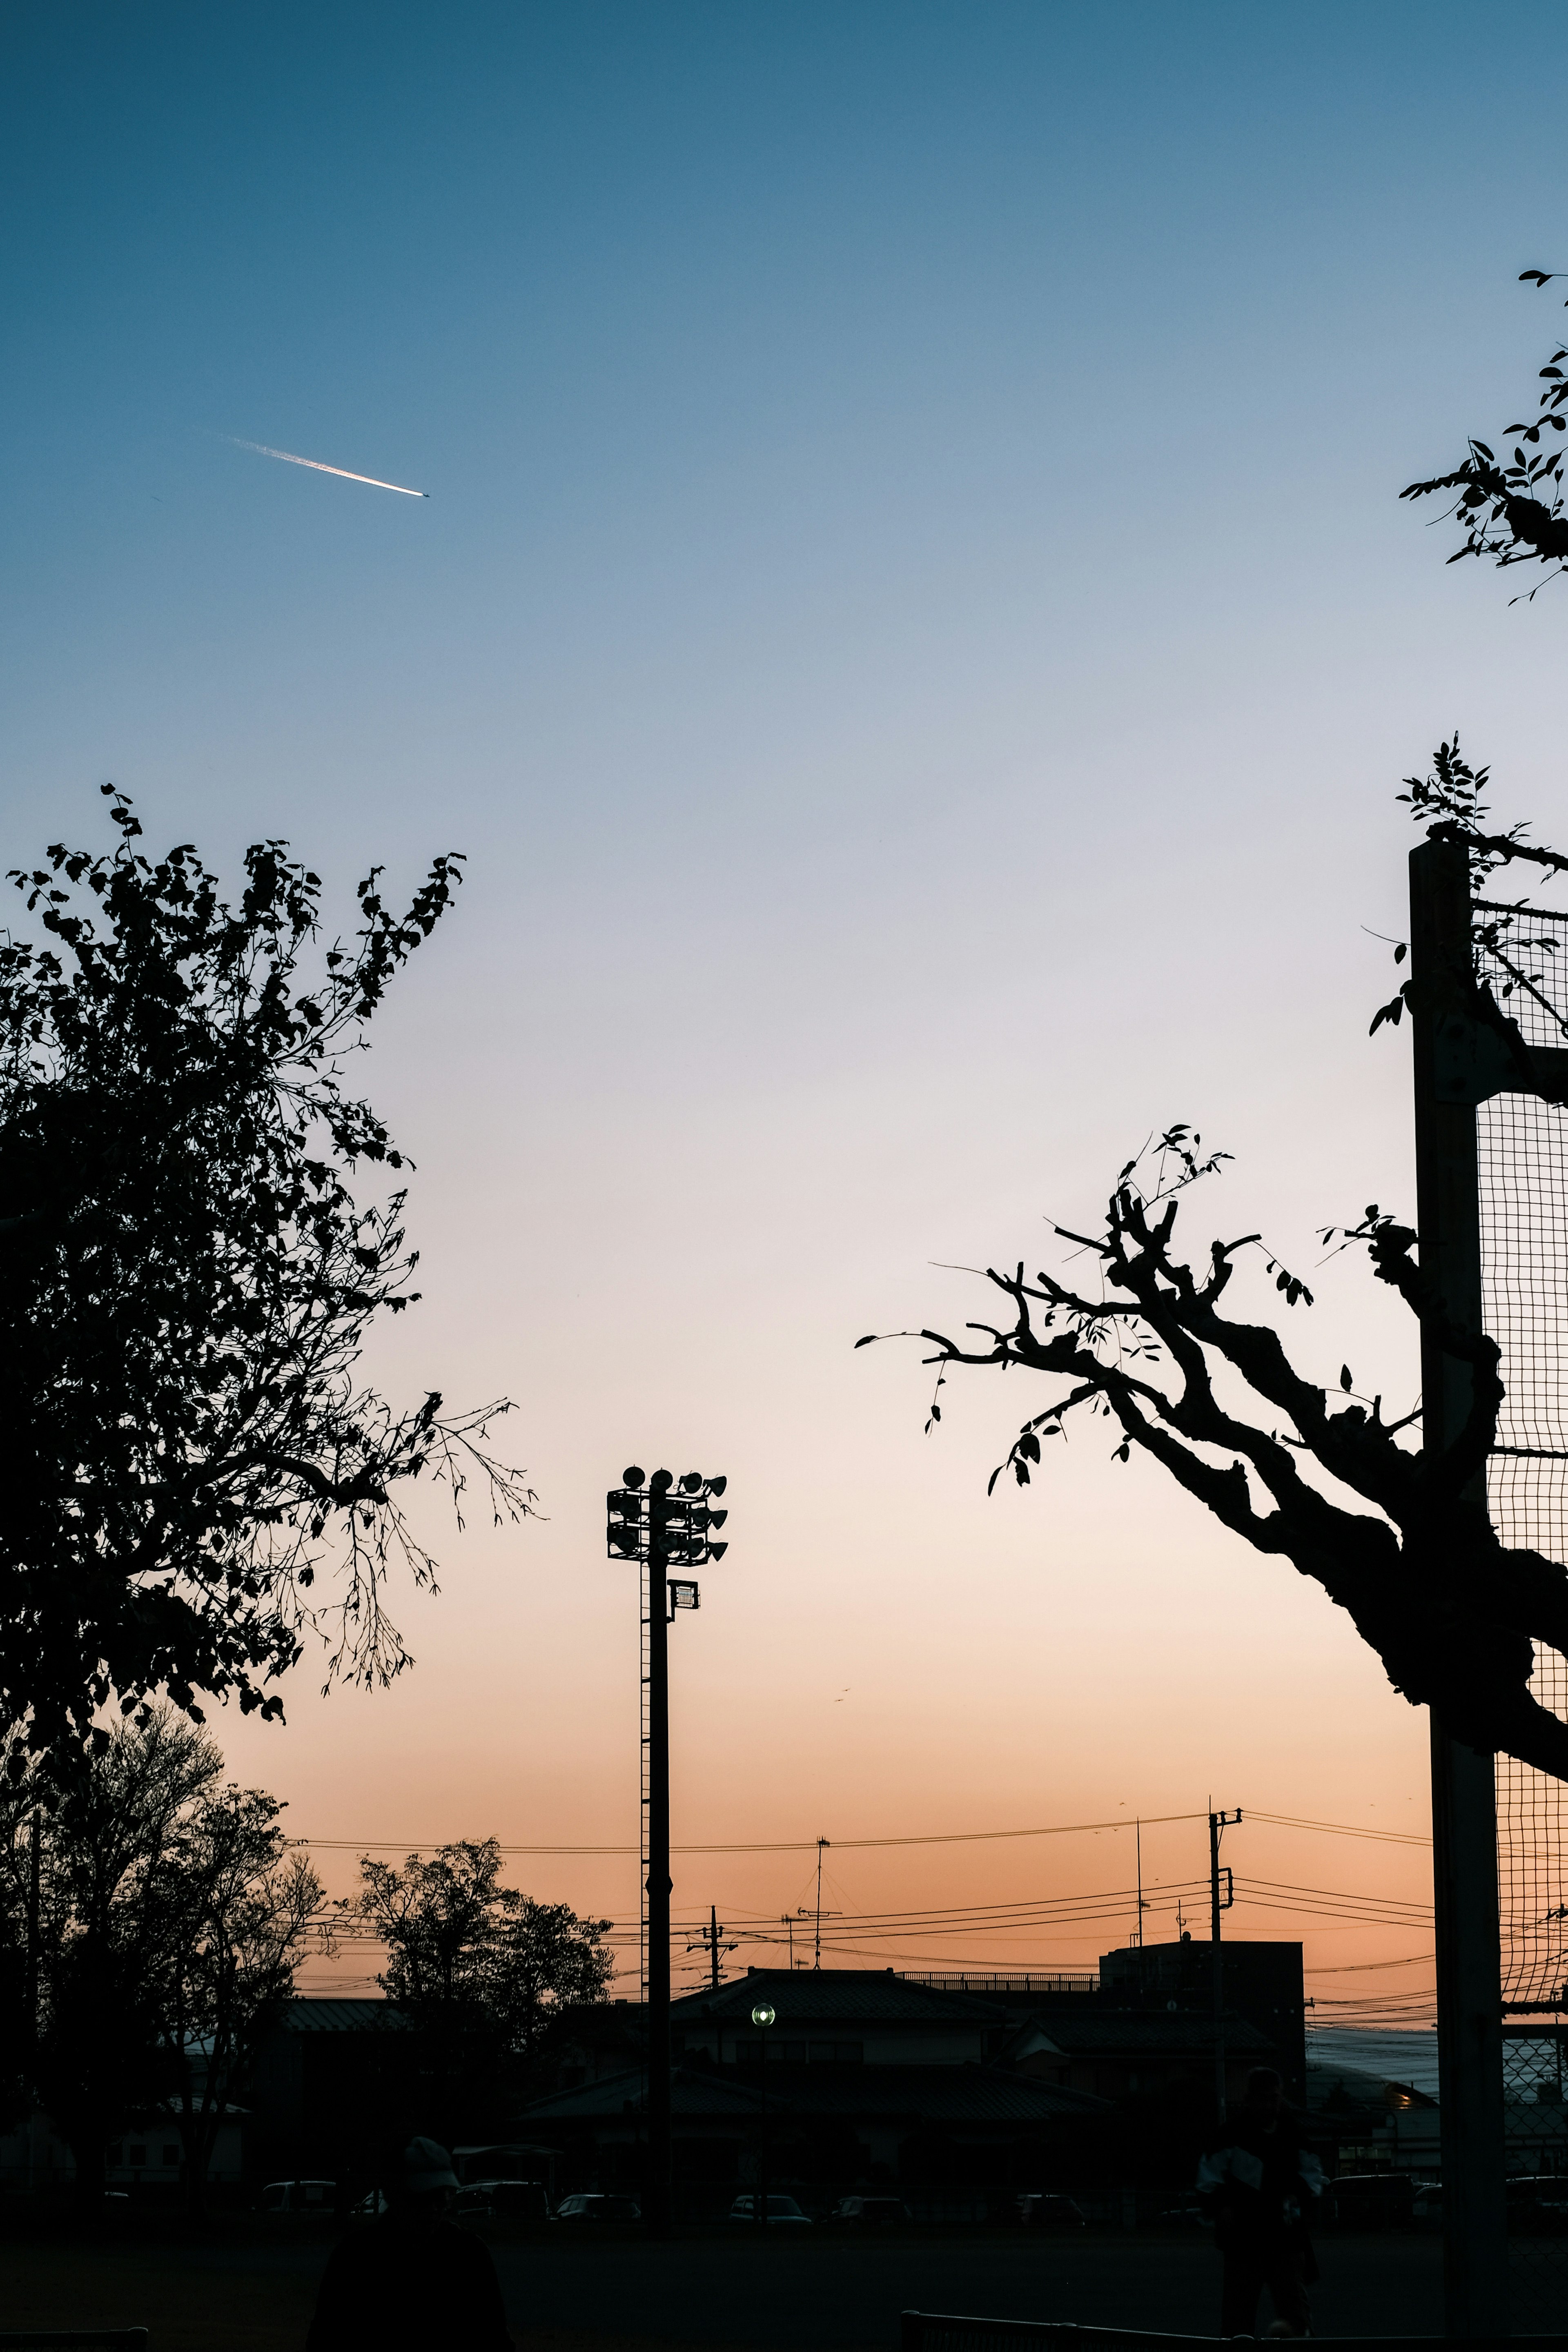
point(591, 2206)
point(1427, 2208)
point(299, 2197)
point(371, 2205)
point(513, 2200)
point(784, 2213)
point(1037, 2210)
point(1371, 2200)
point(1537, 2204)
point(1187, 2214)
point(870, 2213)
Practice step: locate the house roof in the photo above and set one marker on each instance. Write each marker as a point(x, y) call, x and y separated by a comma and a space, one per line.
point(1145, 2031)
point(1356, 2088)
point(836, 1996)
point(693, 2091)
point(912, 2094)
point(341, 2017)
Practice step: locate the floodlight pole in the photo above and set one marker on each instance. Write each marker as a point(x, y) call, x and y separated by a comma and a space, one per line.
point(657, 2182)
point(661, 1525)
point(1464, 1790)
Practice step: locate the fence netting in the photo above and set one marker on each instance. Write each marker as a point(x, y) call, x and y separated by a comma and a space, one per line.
point(1522, 1161)
point(1522, 1155)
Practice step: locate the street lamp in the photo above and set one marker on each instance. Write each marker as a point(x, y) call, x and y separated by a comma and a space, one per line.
point(661, 1522)
point(763, 2016)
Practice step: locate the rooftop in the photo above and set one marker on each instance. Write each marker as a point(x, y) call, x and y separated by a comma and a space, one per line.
point(341, 2017)
point(915, 2093)
point(840, 1996)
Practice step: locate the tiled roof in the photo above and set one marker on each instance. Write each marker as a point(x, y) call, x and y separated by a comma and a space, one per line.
point(837, 1997)
point(693, 2091)
point(936, 2095)
point(341, 2017)
point(912, 2094)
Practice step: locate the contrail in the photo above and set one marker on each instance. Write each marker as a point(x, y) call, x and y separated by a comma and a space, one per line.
point(316, 466)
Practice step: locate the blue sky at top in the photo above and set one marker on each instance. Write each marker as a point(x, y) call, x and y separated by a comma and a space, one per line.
point(913, 626)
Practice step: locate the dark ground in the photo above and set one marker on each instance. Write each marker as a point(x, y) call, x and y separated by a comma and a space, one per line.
point(837, 2295)
point(593, 2294)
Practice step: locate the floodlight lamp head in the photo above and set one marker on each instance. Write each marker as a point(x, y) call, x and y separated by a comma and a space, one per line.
point(661, 1482)
point(717, 1551)
point(763, 2014)
point(717, 1486)
point(716, 1518)
point(691, 1482)
point(632, 1477)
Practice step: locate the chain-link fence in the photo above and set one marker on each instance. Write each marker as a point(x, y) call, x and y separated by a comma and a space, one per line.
point(1522, 1161)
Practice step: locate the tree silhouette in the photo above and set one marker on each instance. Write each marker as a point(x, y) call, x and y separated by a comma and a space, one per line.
point(185, 1283)
point(230, 1909)
point(484, 1973)
point(1512, 508)
point(456, 1940)
point(1216, 1401)
point(169, 1922)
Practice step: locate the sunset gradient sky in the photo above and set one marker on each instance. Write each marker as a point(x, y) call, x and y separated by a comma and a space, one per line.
point(913, 629)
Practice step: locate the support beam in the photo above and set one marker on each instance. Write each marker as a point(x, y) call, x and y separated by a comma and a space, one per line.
point(1464, 1799)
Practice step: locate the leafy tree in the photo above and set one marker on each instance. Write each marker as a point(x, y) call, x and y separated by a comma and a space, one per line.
point(101, 2053)
point(230, 1909)
point(1512, 508)
point(185, 1283)
point(483, 1970)
point(170, 1920)
point(18, 1944)
point(1211, 1395)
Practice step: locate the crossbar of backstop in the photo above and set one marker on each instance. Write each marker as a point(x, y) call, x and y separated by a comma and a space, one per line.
point(74, 2339)
point(948, 2331)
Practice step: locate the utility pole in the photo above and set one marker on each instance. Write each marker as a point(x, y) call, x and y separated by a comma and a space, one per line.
point(1218, 1824)
point(1464, 1789)
point(662, 1526)
point(1138, 1827)
point(821, 1844)
point(710, 1940)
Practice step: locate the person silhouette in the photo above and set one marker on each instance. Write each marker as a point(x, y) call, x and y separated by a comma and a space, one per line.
point(1257, 2183)
point(411, 2280)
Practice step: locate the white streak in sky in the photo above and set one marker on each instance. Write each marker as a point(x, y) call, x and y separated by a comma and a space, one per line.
point(316, 466)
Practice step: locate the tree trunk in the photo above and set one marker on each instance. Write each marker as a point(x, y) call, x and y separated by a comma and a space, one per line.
point(193, 2166)
point(87, 2147)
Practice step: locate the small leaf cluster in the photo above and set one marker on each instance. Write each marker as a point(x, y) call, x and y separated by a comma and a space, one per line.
point(1512, 508)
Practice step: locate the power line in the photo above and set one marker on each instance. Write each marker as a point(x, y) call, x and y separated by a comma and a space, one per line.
point(936, 1837)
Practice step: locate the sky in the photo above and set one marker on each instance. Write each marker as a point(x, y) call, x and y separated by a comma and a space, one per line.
point(913, 629)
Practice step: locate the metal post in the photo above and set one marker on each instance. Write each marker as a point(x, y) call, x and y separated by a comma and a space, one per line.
point(713, 1940)
point(760, 2214)
point(1464, 1794)
point(656, 2189)
point(661, 1526)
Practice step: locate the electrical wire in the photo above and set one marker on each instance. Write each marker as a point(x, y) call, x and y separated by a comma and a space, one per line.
point(866, 1844)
